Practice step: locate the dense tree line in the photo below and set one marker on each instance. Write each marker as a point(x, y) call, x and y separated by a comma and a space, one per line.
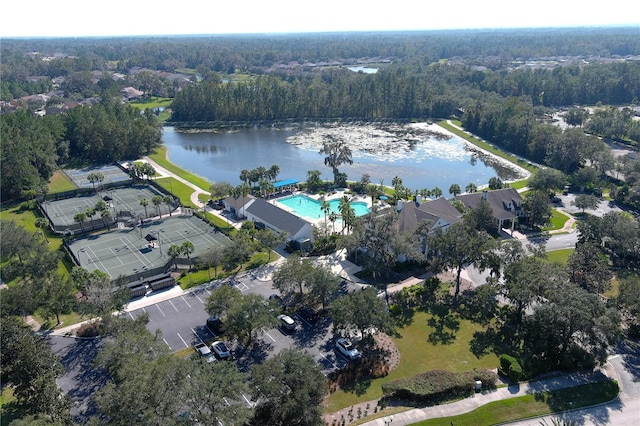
point(412, 90)
point(34, 147)
point(244, 52)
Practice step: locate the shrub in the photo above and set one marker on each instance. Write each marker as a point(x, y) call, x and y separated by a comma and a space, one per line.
point(87, 330)
point(511, 368)
point(431, 387)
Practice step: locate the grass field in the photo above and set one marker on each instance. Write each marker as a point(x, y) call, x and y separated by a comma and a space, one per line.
point(559, 256)
point(178, 189)
point(535, 405)
point(423, 348)
point(59, 182)
point(480, 144)
point(558, 219)
point(160, 157)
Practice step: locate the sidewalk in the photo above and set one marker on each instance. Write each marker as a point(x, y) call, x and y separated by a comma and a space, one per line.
point(469, 404)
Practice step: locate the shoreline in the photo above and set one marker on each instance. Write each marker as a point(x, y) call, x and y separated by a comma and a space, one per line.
point(526, 174)
point(444, 128)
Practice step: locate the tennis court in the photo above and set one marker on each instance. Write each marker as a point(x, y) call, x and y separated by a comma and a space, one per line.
point(142, 251)
point(112, 174)
point(122, 202)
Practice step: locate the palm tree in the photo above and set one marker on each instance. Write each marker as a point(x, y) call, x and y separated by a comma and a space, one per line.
point(333, 216)
point(472, 187)
point(157, 200)
point(144, 203)
point(244, 176)
point(106, 217)
point(346, 211)
point(174, 251)
point(436, 192)
point(168, 200)
point(373, 191)
point(454, 189)
point(326, 208)
point(80, 218)
point(187, 248)
point(273, 172)
point(90, 212)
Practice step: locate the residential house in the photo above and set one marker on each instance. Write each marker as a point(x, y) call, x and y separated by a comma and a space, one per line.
point(505, 203)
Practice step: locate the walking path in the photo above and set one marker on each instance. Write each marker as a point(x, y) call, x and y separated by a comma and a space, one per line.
point(164, 173)
point(469, 404)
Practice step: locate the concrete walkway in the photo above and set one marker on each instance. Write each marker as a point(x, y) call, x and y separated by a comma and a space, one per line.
point(164, 173)
point(469, 404)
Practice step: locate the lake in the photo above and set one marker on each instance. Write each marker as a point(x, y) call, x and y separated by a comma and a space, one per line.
point(418, 153)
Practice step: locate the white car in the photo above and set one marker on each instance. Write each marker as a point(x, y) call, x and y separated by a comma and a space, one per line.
point(204, 352)
point(287, 322)
point(221, 350)
point(346, 348)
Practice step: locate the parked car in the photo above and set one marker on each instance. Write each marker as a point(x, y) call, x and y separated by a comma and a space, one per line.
point(204, 351)
point(308, 314)
point(215, 325)
point(287, 322)
point(346, 348)
point(221, 350)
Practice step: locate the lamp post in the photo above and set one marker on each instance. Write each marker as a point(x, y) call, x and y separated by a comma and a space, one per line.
point(170, 185)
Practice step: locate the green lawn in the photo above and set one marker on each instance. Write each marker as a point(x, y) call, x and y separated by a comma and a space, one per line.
point(59, 182)
point(178, 189)
point(558, 219)
point(559, 256)
point(419, 354)
point(477, 142)
point(160, 157)
point(536, 405)
point(154, 102)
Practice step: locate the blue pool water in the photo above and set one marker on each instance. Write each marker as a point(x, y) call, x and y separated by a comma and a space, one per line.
point(308, 207)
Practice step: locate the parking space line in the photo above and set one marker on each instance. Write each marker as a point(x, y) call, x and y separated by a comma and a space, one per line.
point(226, 402)
point(165, 341)
point(268, 335)
point(244, 287)
point(198, 297)
point(158, 306)
point(186, 345)
point(248, 402)
point(174, 306)
point(131, 315)
point(185, 301)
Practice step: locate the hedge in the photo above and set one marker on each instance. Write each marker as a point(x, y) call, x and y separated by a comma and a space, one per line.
point(436, 386)
point(510, 367)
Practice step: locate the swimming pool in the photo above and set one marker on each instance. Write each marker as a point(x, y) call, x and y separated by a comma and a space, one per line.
point(308, 207)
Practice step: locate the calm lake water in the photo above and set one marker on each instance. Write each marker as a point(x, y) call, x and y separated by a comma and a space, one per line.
point(220, 156)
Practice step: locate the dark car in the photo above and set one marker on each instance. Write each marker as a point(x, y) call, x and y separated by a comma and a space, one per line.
point(215, 325)
point(274, 298)
point(308, 314)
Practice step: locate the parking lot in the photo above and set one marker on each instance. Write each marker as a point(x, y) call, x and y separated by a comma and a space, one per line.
point(182, 322)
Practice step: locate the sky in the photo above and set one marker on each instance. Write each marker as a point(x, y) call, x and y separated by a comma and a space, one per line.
point(77, 18)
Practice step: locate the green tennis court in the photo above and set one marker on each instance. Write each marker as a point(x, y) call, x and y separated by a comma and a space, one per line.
point(142, 251)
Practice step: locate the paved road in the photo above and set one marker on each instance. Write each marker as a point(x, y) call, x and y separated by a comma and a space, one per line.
point(625, 410)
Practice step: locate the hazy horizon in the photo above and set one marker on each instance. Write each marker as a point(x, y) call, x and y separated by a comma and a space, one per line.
point(120, 18)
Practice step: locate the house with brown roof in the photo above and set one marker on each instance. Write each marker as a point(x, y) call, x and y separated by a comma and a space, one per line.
point(439, 212)
point(506, 205)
